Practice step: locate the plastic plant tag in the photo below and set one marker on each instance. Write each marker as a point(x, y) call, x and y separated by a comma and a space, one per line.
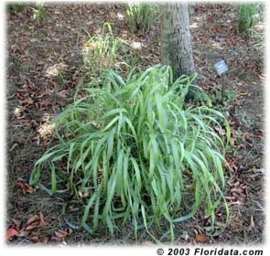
point(221, 67)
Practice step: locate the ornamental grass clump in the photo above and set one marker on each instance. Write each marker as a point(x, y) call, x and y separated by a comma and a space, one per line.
point(134, 154)
point(248, 15)
point(140, 16)
point(101, 52)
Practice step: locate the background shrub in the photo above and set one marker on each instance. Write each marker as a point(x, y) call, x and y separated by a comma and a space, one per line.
point(248, 15)
point(101, 51)
point(141, 16)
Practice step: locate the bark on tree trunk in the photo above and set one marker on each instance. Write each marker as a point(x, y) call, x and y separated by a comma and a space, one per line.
point(176, 49)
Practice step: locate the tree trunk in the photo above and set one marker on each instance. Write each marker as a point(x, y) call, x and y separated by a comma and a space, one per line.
point(176, 49)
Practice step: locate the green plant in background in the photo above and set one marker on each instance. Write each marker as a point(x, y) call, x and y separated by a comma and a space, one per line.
point(224, 96)
point(132, 152)
point(140, 16)
point(39, 11)
point(248, 16)
point(100, 51)
point(16, 7)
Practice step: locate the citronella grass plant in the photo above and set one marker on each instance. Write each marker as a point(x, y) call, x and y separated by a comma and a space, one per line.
point(100, 51)
point(140, 16)
point(132, 152)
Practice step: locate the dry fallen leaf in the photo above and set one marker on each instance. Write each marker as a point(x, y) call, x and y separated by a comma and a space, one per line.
point(237, 190)
point(57, 239)
point(219, 130)
point(11, 232)
point(201, 238)
point(26, 188)
point(60, 233)
point(147, 243)
point(41, 217)
point(237, 183)
point(243, 93)
point(32, 219)
point(252, 223)
point(32, 226)
point(247, 135)
point(232, 140)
